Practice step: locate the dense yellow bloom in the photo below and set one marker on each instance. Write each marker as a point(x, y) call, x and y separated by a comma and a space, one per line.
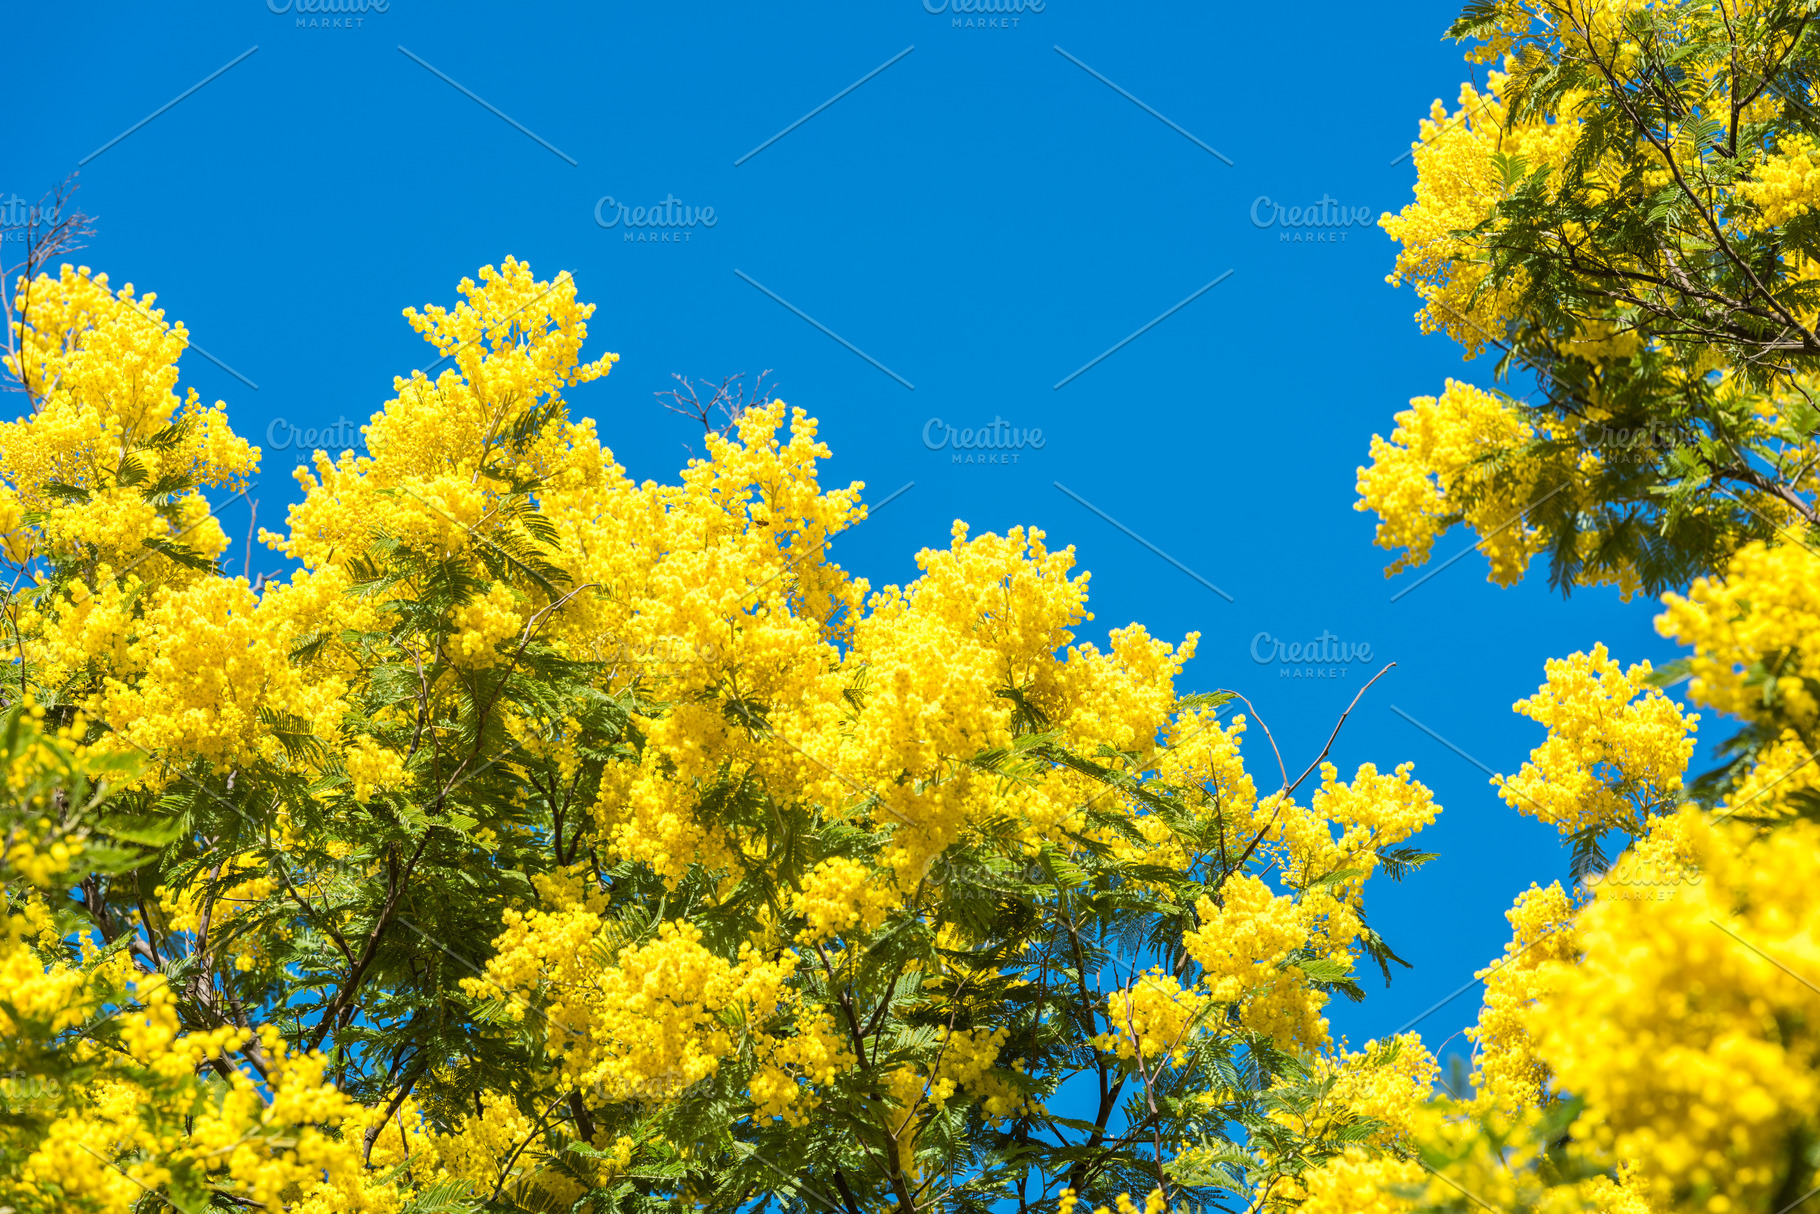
point(1542, 931)
point(649, 1026)
point(1687, 1025)
point(1154, 1014)
point(1386, 1082)
point(110, 426)
point(1787, 184)
point(1458, 184)
point(1431, 472)
point(373, 767)
point(1360, 1182)
point(1616, 748)
point(722, 776)
point(1753, 636)
point(209, 667)
point(841, 895)
point(1243, 947)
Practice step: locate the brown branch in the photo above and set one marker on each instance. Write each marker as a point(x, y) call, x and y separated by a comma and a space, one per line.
point(1283, 797)
point(62, 237)
point(1079, 1175)
point(1667, 153)
point(1137, 1051)
point(395, 889)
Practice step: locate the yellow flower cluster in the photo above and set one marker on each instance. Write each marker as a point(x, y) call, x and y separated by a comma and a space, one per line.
point(652, 1024)
point(482, 623)
point(1786, 184)
point(1357, 1181)
point(1480, 1155)
point(1542, 931)
point(207, 665)
point(373, 767)
point(1155, 1015)
point(1687, 1025)
point(1616, 748)
point(102, 369)
point(1386, 1082)
point(1458, 184)
point(1327, 851)
point(1755, 635)
point(964, 1063)
point(1432, 472)
point(38, 769)
point(498, 1147)
point(785, 1083)
point(1389, 1084)
point(968, 1059)
point(1155, 1203)
point(1243, 947)
point(841, 895)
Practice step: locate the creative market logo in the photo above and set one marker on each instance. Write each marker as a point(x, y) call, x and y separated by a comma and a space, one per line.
point(344, 435)
point(998, 443)
point(18, 218)
point(1636, 878)
point(666, 222)
point(1323, 222)
point(1325, 657)
point(990, 12)
point(665, 651)
point(1645, 444)
point(327, 14)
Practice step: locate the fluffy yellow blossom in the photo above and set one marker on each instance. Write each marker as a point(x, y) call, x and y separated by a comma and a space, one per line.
point(1243, 947)
point(840, 895)
point(1433, 472)
point(1687, 1025)
point(1616, 748)
point(1458, 184)
point(373, 767)
point(1752, 634)
point(484, 622)
point(1543, 931)
point(1153, 1014)
point(1386, 1082)
point(110, 437)
point(1786, 184)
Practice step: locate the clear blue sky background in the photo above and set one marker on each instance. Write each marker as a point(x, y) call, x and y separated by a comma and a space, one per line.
point(983, 217)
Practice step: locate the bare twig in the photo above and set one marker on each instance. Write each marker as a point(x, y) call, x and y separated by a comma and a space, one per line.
point(720, 413)
point(53, 229)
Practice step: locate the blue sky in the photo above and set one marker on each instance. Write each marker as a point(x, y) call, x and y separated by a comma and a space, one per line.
point(983, 216)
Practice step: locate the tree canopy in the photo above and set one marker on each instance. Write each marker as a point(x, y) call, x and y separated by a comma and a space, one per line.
point(1625, 214)
point(548, 841)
